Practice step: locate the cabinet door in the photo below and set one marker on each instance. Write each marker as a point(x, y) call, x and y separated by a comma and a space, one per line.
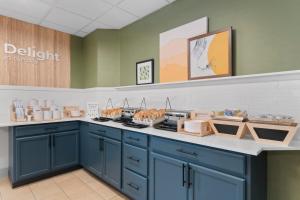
point(95, 154)
point(65, 150)
point(32, 156)
point(213, 185)
point(112, 157)
point(84, 128)
point(168, 178)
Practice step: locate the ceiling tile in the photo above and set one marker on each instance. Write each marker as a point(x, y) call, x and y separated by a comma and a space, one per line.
point(81, 34)
point(32, 8)
point(19, 16)
point(113, 2)
point(64, 18)
point(117, 18)
point(87, 8)
point(142, 8)
point(58, 27)
point(95, 25)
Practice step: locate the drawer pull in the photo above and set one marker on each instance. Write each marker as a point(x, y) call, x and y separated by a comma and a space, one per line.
point(51, 129)
point(132, 138)
point(134, 186)
point(101, 131)
point(133, 159)
point(187, 152)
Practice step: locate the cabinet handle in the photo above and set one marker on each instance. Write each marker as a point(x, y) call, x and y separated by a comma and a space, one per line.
point(135, 139)
point(187, 152)
point(51, 129)
point(183, 175)
point(189, 176)
point(101, 144)
point(133, 186)
point(49, 141)
point(133, 159)
point(101, 131)
point(53, 141)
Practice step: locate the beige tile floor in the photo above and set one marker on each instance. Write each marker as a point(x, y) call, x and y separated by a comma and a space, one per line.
point(76, 185)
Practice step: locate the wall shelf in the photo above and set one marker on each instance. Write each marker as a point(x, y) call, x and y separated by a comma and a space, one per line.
point(255, 78)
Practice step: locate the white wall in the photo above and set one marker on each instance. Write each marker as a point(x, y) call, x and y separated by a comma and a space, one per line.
point(277, 93)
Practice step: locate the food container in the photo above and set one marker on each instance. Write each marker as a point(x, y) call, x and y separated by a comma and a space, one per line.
point(47, 115)
point(37, 115)
point(56, 115)
point(75, 113)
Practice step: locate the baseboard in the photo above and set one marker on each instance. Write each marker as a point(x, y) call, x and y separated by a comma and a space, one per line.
point(3, 173)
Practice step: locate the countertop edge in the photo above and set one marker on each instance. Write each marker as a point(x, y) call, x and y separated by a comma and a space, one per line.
point(244, 146)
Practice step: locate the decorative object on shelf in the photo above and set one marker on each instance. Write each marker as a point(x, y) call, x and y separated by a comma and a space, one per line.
point(145, 72)
point(210, 55)
point(272, 134)
point(174, 52)
point(229, 128)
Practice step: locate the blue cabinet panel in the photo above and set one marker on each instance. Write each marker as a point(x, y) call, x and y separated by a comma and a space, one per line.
point(135, 186)
point(112, 162)
point(95, 155)
point(137, 139)
point(84, 129)
point(221, 160)
point(213, 185)
point(168, 178)
point(106, 131)
point(65, 147)
point(32, 156)
point(136, 159)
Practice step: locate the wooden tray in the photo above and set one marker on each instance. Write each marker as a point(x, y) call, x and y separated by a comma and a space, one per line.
point(272, 134)
point(205, 131)
point(229, 128)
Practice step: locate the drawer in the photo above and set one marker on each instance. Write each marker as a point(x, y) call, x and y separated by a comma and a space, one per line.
point(135, 138)
point(136, 159)
point(135, 186)
point(221, 160)
point(30, 130)
point(106, 131)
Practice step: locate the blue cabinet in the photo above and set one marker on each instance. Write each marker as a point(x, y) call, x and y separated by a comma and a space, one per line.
point(41, 150)
point(65, 147)
point(32, 156)
point(94, 154)
point(209, 184)
point(168, 178)
point(112, 162)
point(104, 153)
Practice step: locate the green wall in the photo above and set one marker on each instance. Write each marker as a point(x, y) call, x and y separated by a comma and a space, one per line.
point(265, 40)
point(77, 68)
point(266, 37)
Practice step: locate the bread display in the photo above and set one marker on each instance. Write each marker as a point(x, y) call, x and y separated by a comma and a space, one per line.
point(149, 116)
point(112, 113)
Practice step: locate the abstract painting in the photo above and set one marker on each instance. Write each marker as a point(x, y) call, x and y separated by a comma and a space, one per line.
point(174, 51)
point(210, 55)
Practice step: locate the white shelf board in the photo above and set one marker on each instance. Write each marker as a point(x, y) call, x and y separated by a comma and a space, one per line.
point(266, 77)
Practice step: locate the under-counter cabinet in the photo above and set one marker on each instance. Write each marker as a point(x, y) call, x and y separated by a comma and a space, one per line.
point(40, 150)
point(181, 171)
point(101, 152)
point(135, 165)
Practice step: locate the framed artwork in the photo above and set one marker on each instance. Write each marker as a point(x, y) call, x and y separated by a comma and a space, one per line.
point(210, 55)
point(173, 52)
point(145, 72)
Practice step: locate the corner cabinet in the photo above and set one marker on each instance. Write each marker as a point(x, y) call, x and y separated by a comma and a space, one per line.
point(41, 150)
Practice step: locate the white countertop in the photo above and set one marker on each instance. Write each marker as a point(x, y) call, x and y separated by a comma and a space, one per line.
point(245, 145)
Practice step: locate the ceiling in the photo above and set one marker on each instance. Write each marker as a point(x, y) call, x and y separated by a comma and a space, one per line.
point(80, 17)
